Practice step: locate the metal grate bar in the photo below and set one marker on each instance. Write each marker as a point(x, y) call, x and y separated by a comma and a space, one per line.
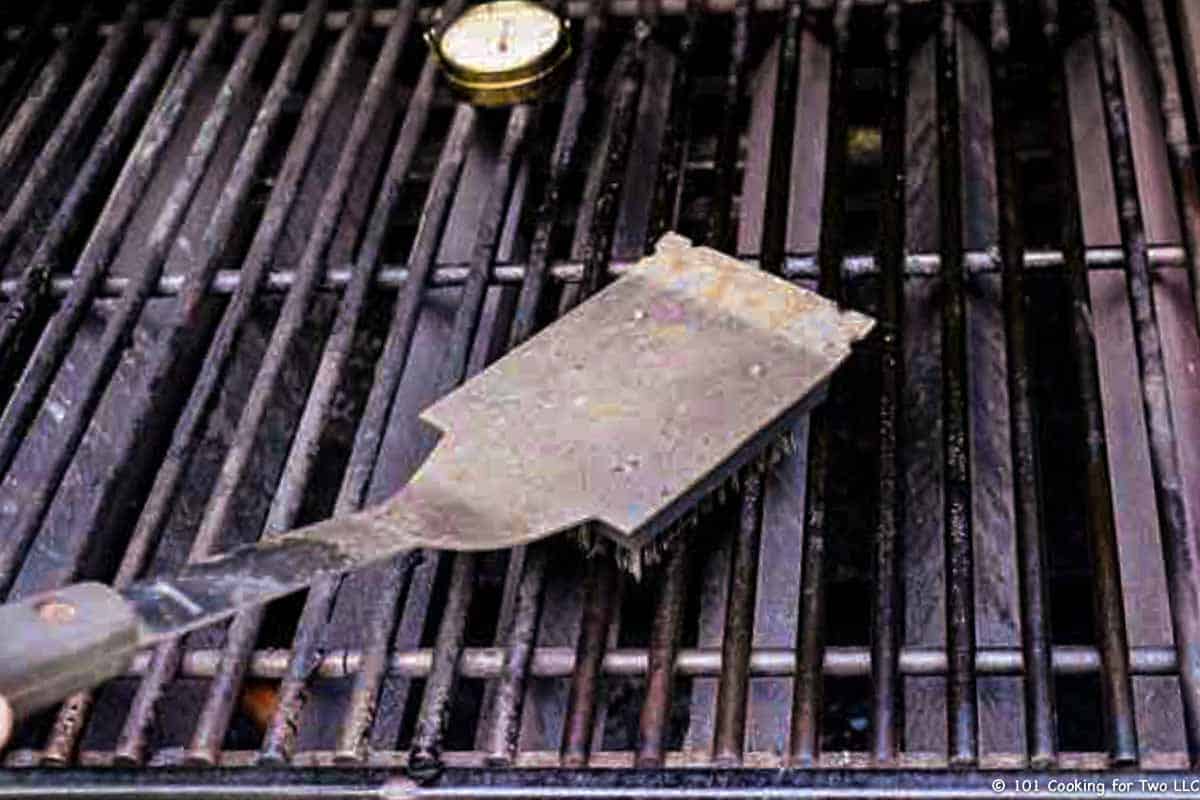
point(26, 54)
point(1180, 554)
point(519, 630)
point(922, 552)
point(35, 282)
point(368, 441)
point(33, 188)
point(49, 83)
point(598, 611)
point(601, 582)
point(185, 438)
point(453, 273)
point(1031, 548)
point(1120, 733)
point(132, 744)
point(243, 632)
point(886, 615)
point(960, 597)
point(734, 684)
point(559, 662)
point(778, 579)
point(720, 233)
point(808, 695)
point(102, 245)
point(439, 689)
point(997, 577)
point(667, 626)
point(769, 184)
point(119, 326)
point(1179, 151)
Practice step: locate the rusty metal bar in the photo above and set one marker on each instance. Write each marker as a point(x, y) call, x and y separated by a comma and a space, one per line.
point(663, 649)
point(960, 592)
point(205, 744)
point(599, 589)
point(71, 718)
point(28, 47)
point(504, 718)
point(359, 714)
point(808, 696)
point(13, 140)
point(732, 690)
point(352, 736)
point(672, 161)
point(1179, 544)
point(390, 277)
point(1179, 146)
point(601, 580)
point(34, 284)
point(505, 714)
point(723, 223)
point(424, 759)
point(1117, 690)
point(116, 332)
point(886, 616)
point(775, 213)
point(668, 615)
point(279, 739)
point(1031, 547)
point(132, 184)
point(730, 726)
point(132, 743)
point(439, 688)
point(36, 182)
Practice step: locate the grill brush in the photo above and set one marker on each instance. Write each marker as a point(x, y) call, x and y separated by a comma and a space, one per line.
point(617, 419)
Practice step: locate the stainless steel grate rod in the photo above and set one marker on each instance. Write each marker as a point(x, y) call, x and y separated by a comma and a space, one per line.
point(798, 267)
point(559, 662)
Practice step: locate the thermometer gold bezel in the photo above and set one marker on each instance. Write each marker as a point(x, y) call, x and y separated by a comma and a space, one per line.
point(491, 87)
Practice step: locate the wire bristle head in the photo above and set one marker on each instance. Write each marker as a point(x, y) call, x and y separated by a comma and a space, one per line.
point(641, 561)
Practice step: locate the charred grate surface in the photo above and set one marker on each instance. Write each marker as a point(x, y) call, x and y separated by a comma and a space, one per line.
point(242, 245)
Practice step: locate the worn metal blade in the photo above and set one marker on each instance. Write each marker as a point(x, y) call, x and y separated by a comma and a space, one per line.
point(623, 415)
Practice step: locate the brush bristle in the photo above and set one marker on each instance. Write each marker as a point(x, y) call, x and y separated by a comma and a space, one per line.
point(639, 561)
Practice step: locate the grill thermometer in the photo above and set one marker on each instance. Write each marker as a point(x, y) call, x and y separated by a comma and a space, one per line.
point(503, 52)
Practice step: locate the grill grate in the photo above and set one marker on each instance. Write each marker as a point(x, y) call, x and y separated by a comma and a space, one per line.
point(245, 246)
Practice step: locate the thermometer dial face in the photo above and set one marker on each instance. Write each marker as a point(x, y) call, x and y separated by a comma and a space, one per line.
point(501, 38)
